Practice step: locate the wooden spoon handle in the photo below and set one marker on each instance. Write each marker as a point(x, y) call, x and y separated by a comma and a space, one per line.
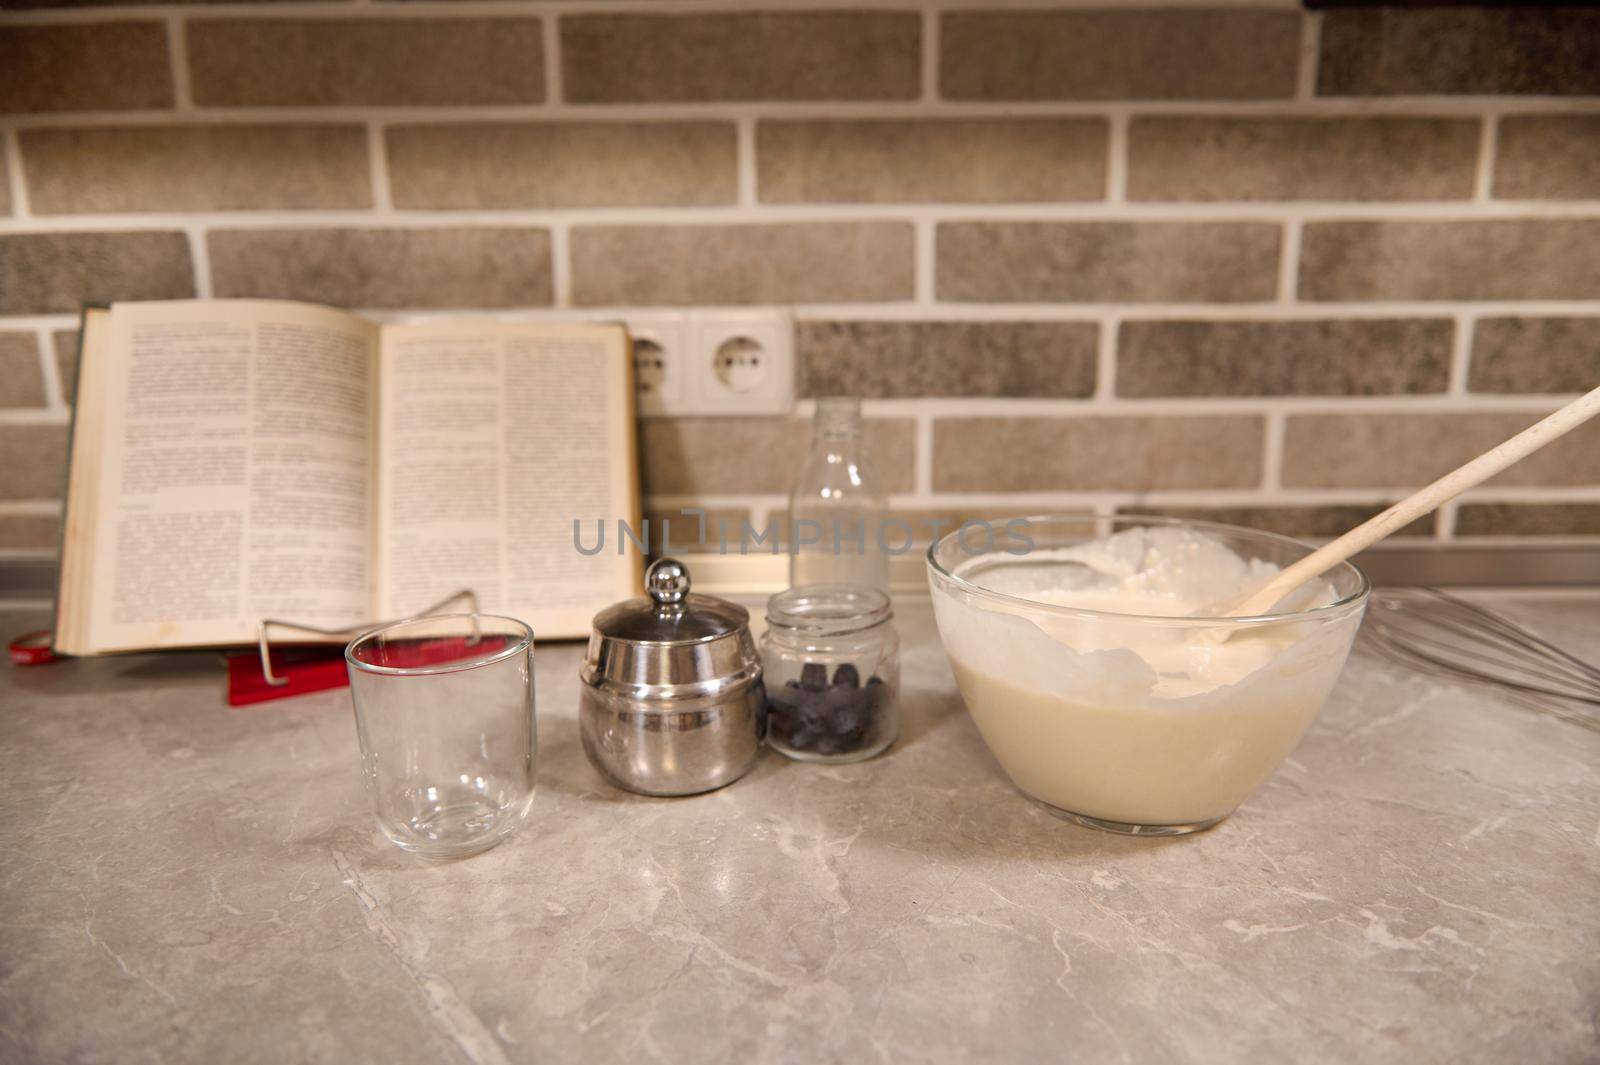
point(1423, 502)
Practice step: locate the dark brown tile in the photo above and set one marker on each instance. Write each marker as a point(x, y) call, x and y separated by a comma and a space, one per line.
point(1535, 355)
point(21, 375)
point(385, 268)
point(563, 164)
point(812, 262)
point(1397, 51)
point(948, 160)
point(57, 273)
point(673, 530)
point(36, 461)
point(196, 168)
point(1118, 55)
point(1411, 449)
point(1528, 519)
point(1338, 357)
point(65, 342)
point(1322, 522)
point(365, 62)
point(792, 55)
point(30, 532)
point(97, 66)
point(1096, 453)
point(888, 359)
point(706, 456)
point(1201, 158)
point(1481, 260)
point(1133, 262)
point(1548, 157)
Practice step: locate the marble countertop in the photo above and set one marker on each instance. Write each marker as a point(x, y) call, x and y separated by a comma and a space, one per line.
point(186, 882)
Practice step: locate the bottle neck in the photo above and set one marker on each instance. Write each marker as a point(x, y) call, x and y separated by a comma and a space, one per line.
point(837, 420)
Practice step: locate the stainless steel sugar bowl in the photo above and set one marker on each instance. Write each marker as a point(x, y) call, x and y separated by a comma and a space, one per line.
point(672, 700)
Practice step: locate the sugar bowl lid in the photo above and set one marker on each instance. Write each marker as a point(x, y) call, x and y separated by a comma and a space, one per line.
point(671, 637)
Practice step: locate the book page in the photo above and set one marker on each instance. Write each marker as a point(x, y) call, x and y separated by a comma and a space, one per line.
point(494, 437)
point(236, 484)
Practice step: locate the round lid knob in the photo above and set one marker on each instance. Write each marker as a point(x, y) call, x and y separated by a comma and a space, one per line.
point(667, 581)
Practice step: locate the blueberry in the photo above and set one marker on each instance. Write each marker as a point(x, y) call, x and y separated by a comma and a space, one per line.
point(846, 676)
point(813, 676)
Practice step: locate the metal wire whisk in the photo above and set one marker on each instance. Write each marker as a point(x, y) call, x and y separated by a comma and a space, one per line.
point(1435, 632)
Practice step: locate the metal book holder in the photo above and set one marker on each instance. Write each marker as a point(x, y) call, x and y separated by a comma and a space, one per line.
point(264, 638)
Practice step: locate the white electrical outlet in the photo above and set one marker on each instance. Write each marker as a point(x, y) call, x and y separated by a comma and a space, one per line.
point(740, 362)
point(660, 364)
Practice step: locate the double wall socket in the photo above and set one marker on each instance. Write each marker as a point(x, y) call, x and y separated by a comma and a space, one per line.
point(713, 362)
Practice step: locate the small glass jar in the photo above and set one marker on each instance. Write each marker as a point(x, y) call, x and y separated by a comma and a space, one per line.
point(831, 659)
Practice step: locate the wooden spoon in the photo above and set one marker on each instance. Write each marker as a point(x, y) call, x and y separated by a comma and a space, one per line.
point(1415, 506)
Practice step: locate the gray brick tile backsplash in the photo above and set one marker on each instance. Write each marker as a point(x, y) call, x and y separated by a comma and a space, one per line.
point(1133, 262)
point(683, 456)
point(1548, 157)
point(563, 164)
point(30, 531)
point(1337, 357)
point(57, 273)
point(1097, 453)
point(894, 359)
point(1403, 450)
point(768, 55)
point(1528, 519)
point(1207, 158)
point(385, 268)
point(949, 160)
point(1220, 54)
point(1304, 522)
point(21, 379)
point(1535, 259)
point(196, 168)
point(1535, 355)
point(103, 66)
point(811, 262)
point(36, 461)
point(1397, 51)
point(367, 61)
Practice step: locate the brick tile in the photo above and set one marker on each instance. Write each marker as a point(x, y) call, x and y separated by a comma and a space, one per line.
point(890, 359)
point(1098, 453)
point(1397, 51)
point(21, 378)
point(689, 456)
point(1548, 157)
point(799, 55)
point(1499, 259)
point(1339, 357)
point(1201, 159)
point(36, 461)
point(99, 66)
point(385, 268)
point(563, 164)
point(196, 168)
point(1412, 449)
point(373, 62)
point(1528, 519)
point(1106, 261)
point(684, 529)
point(1118, 55)
point(65, 343)
point(29, 532)
point(5, 185)
point(1535, 355)
point(728, 264)
point(57, 273)
point(949, 160)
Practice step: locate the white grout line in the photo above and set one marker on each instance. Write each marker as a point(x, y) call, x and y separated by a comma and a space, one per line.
point(31, 508)
point(1105, 358)
point(1445, 520)
point(1488, 148)
point(34, 416)
point(14, 179)
point(930, 55)
point(1461, 353)
point(1030, 407)
point(55, 393)
point(178, 55)
point(200, 251)
point(923, 455)
point(1272, 452)
point(1310, 41)
point(1289, 260)
point(1117, 158)
point(925, 262)
point(378, 167)
point(560, 265)
point(748, 178)
point(550, 48)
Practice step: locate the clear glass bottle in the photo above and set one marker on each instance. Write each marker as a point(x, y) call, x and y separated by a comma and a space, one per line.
point(837, 508)
point(831, 662)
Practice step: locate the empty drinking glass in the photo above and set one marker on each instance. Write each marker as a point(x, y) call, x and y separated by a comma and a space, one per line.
point(444, 713)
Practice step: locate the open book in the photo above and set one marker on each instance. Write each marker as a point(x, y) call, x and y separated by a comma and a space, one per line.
point(234, 460)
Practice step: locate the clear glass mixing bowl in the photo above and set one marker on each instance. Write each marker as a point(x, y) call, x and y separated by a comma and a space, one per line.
point(1133, 723)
